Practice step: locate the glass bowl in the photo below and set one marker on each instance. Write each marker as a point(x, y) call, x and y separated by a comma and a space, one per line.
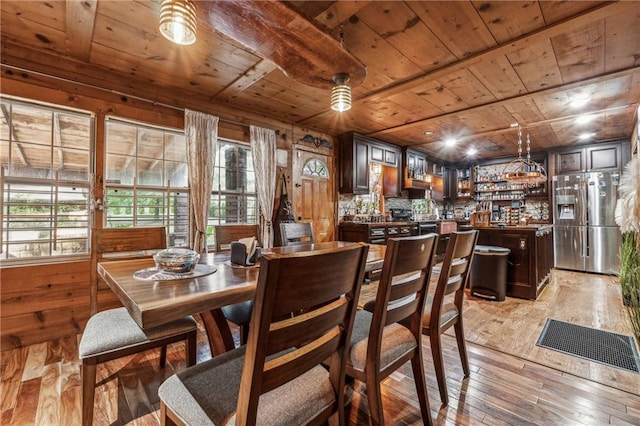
point(176, 260)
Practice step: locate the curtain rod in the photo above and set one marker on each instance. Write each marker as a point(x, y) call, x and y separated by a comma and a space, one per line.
point(115, 92)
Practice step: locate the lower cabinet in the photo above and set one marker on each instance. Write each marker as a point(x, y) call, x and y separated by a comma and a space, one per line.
point(376, 233)
point(530, 259)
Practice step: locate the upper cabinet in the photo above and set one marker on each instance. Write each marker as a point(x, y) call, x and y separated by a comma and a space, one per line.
point(357, 154)
point(462, 183)
point(422, 174)
point(596, 157)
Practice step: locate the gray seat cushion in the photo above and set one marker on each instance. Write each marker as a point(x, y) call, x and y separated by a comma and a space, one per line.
point(239, 313)
point(397, 340)
point(207, 394)
point(115, 329)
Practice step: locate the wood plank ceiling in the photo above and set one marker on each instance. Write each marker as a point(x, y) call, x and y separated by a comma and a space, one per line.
point(454, 68)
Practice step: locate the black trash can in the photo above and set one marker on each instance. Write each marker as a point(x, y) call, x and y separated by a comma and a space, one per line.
point(489, 272)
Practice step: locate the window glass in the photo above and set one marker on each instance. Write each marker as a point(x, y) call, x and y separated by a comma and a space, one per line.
point(147, 179)
point(46, 160)
point(233, 196)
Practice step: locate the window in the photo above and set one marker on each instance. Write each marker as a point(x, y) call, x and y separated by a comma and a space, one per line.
point(147, 179)
point(45, 160)
point(233, 195)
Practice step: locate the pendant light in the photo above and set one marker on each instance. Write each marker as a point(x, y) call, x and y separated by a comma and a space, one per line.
point(178, 21)
point(524, 171)
point(341, 93)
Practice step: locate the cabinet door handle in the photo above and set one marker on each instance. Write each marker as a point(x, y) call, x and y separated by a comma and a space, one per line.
point(298, 185)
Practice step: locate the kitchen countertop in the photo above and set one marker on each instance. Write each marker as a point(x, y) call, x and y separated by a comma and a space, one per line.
point(532, 227)
point(403, 223)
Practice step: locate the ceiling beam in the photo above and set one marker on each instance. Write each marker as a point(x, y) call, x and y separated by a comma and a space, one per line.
point(300, 47)
point(81, 16)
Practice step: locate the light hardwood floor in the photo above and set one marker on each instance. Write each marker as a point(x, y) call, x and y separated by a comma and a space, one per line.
point(512, 382)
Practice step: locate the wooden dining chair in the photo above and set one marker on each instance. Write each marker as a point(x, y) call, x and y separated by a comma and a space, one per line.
point(442, 312)
point(390, 335)
point(238, 313)
point(278, 375)
point(296, 233)
point(112, 333)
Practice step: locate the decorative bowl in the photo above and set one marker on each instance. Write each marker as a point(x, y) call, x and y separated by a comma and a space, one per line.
point(176, 260)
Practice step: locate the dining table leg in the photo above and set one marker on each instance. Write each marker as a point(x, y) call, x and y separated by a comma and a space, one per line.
point(218, 331)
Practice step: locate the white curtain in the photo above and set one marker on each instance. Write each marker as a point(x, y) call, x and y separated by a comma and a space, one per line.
point(263, 149)
point(201, 131)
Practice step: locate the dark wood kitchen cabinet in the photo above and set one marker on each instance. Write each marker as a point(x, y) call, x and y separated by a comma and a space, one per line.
point(596, 157)
point(357, 153)
point(376, 233)
point(530, 259)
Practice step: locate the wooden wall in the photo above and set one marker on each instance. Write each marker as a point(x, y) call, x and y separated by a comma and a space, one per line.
point(44, 302)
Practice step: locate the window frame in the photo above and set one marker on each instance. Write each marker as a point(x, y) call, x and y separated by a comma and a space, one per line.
point(166, 190)
point(54, 202)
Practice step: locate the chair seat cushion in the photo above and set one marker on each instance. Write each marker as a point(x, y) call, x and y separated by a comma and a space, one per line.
point(115, 329)
point(238, 313)
point(448, 313)
point(397, 340)
point(207, 394)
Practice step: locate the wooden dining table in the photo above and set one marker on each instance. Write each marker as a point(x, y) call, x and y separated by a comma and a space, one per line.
point(154, 302)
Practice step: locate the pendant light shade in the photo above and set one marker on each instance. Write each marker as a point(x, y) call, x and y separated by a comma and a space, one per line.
point(178, 21)
point(341, 93)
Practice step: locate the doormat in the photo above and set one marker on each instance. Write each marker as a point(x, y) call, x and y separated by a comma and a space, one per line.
point(616, 350)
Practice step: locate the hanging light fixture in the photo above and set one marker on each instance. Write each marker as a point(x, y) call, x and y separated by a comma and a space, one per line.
point(524, 171)
point(178, 21)
point(341, 93)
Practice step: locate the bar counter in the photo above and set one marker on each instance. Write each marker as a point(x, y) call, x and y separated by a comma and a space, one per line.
point(530, 259)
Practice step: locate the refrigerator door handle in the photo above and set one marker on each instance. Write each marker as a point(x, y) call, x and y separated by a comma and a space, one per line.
point(586, 242)
point(583, 202)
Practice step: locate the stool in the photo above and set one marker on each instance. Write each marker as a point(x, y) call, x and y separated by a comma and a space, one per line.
point(489, 272)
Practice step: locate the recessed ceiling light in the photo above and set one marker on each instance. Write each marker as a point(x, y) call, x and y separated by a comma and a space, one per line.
point(584, 119)
point(514, 124)
point(472, 151)
point(450, 141)
point(579, 102)
point(587, 135)
point(428, 132)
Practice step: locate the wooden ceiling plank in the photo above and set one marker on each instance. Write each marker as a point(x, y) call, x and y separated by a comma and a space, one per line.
point(507, 20)
point(81, 17)
point(599, 12)
point(536, 65)
point(503, 102)
point(406, 33)
point(622, 48)
point(592, 15)
point(366, 44)
point(457, 24)
point(254, 74)
point(580, 52)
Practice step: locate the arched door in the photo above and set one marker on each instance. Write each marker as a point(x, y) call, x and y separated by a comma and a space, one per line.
point(314, 195)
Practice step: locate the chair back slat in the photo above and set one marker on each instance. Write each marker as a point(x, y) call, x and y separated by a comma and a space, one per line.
point(136, 242)
point(277, 372)
point(403, 285)
point(454, 272)
point(296, 233)
point(322, 288)
point(228, 233)
point(306, 326)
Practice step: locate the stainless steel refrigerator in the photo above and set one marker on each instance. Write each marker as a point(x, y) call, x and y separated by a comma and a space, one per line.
point(585, 233)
